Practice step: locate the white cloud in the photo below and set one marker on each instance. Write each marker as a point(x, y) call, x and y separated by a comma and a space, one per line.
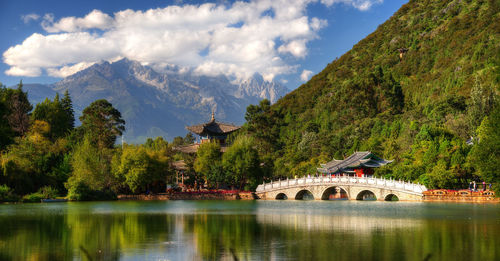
point(305, 75)
point(67, 70)
point(237, 40)
point(95, 19)
point(362, 5)
point(297, 48)
point(29, 17)
point(23, 71)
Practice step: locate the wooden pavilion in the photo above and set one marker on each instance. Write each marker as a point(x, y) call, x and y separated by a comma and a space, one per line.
point(210, 131)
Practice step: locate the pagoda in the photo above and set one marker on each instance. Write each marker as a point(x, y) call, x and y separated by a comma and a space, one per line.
point(358, 164)
point(210, 131)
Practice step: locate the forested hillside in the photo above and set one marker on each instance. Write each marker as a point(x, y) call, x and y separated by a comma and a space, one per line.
point(415, 91)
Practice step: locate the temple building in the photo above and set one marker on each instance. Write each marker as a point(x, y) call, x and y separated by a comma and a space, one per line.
point(210, 131)
point(358, 164)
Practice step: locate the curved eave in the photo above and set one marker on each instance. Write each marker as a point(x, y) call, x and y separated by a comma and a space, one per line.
point(213, 128)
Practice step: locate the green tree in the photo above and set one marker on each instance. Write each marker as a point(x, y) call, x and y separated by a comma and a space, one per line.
point(67, 105)
point(19, 107)
point(485, 156)
point(241, 161)
point(482, 100)
point(6, 132)
point(142, 168)
point(189, 138)
point(91, 171)
point(102, 123)
point(58, 113)
point(208, 156)
point(35, 161)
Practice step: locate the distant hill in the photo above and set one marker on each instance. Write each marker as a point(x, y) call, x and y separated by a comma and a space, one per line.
point(414, 90)
point(159, 104)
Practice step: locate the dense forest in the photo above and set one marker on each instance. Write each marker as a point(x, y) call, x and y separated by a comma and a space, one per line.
point(415, 91)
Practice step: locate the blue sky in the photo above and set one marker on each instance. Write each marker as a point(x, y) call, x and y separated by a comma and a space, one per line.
point(285, 40)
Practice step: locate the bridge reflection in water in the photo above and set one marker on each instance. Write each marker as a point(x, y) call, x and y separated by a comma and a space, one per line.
point(359, 224)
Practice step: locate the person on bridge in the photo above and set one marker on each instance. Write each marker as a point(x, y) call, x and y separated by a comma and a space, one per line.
point(470, 186)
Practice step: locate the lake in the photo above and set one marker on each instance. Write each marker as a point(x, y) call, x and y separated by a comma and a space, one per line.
point(250, 230)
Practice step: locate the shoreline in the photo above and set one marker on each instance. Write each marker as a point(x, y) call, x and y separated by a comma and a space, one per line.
point(197, 195)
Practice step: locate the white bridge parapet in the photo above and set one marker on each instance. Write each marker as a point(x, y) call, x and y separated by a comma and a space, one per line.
point(390, 184)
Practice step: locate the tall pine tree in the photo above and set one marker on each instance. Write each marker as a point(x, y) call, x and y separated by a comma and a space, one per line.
point(19, 107)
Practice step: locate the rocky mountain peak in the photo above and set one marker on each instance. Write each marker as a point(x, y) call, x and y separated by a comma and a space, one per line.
point(161, 103)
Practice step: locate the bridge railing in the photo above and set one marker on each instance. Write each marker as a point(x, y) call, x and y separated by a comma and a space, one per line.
point(344, 180)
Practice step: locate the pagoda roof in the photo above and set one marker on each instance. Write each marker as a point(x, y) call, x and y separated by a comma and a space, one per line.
point(359, 159)
point(213, 127)
point(193, 148)
point(179, 165)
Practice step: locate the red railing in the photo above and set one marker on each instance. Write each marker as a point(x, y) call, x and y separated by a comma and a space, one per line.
point(213, 192)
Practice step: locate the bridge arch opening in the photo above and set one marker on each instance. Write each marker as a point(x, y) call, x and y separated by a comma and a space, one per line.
point(304, 195)
point(391, 197)
point(334, 193)
point(366, 195)
point(281, 196)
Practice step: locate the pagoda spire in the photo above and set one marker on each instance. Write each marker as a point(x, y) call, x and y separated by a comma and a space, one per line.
point(213, 115)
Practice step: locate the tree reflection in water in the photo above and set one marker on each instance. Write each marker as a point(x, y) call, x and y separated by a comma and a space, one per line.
point(248, 231)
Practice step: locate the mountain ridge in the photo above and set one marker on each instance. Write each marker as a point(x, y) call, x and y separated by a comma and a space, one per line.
point(159, 104)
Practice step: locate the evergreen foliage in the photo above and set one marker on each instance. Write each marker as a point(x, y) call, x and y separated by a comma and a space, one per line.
point(103, 123)
point(485, 156)
point(14, 109)
point(91, 169)
point(208, 162)
point(19, 107)
point(57, 113)
point(418, 108)
point(242, 161)
point(143, 168)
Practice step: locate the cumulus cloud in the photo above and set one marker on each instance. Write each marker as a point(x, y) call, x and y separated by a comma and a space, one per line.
point(305, 75)
point(68, 70)
point(362, 5)
point(29, 17)
point(237, 40)
point(95, 19)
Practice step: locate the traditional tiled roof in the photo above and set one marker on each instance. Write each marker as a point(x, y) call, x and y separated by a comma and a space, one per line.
point(213, 127)
point(179, 165)
point(193, 148)
point(357, 160)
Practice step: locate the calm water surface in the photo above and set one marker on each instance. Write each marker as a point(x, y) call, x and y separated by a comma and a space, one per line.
point(249, 230)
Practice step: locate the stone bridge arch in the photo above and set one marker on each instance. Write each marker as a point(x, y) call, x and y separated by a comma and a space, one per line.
point(335, 190)
point(304, 194)
point(281, 196)
point(391, 197)
point(366, 194)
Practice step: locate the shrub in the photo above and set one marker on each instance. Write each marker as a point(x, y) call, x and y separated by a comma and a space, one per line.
point(33, 197)
point(6, 194)
point(48, 192)
point(80, 191)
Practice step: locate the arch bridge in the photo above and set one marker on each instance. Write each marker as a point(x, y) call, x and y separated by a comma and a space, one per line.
point(341, 187)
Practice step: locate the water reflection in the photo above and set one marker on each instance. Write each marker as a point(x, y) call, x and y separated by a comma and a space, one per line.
point(291, 230)
point(357, 224)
